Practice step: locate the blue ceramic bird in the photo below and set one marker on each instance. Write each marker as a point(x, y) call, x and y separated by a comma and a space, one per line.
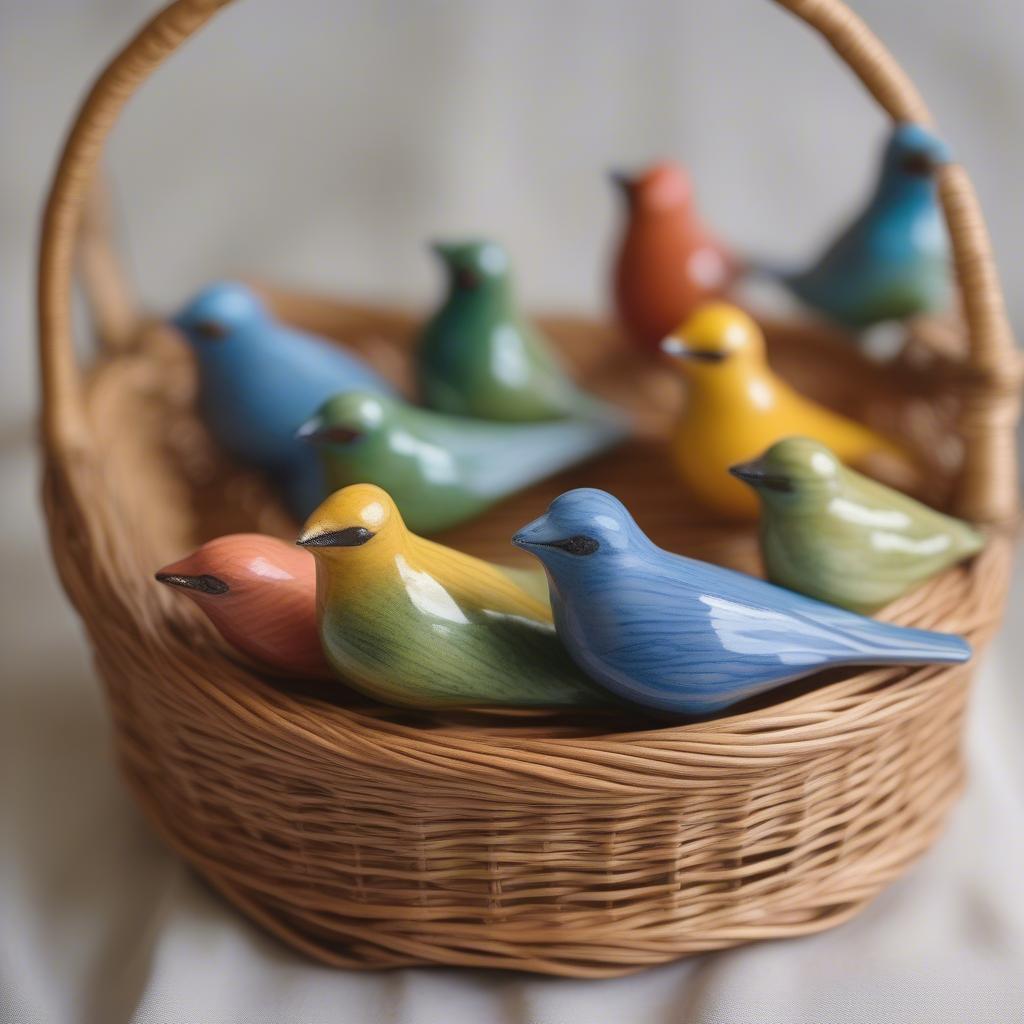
point(892, 261)
point(681, 635)
point(259, 381)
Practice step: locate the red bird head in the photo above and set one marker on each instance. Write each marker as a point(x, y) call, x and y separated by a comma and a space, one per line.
point(664, 186)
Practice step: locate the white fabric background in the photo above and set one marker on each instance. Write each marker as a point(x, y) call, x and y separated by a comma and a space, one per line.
point(319, 143)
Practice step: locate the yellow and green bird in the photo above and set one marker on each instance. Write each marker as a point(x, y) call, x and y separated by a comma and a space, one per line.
point(831, 533)
point(413, 623)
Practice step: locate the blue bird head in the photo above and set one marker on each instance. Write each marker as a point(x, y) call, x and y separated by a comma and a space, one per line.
point(912, 156)
point(219, 313)
point(581, 531)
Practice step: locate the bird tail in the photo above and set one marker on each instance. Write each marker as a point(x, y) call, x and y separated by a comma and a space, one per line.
point(904, 645)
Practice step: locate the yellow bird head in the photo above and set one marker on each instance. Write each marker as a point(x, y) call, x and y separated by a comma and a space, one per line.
point(717, 340)
point(361, 516)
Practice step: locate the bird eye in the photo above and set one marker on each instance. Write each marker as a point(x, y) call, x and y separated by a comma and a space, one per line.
point(210, 330)
point(579, 544)
point(706, 355)
point(917, 164)
point(776, 482)
point(466, 278)
point(336, 435)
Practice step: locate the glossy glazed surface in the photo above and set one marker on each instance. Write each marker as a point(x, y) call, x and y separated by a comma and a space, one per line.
point(479, 356)
point(260, 593)
point(831, 533)
point(735, 406)
point(893, 260)
point(667, 262)
point(415, 624)
point(682, 635)
point(260, 380)
point(443, 470)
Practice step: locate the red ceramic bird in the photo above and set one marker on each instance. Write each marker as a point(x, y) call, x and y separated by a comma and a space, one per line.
point(260, 593)
point(668, 263)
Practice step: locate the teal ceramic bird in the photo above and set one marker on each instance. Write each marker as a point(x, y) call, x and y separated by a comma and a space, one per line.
point(415, 624)
point(258, 382)
point(479, 356)
point(443, 470)
point(892, 262)
point(831, 533)
point(681, 635)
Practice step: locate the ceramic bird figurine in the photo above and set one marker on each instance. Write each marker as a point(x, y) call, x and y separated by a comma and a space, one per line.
point(442, 470)
point(260, 593)
point(833, 534)
point(682, 635)
point(667, 263)
point(735, 406)
point(479, 356)
point(893, 260)
point(412, 623)
point(260, 380)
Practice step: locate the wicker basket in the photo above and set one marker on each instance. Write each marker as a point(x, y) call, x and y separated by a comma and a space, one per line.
point(372, 838)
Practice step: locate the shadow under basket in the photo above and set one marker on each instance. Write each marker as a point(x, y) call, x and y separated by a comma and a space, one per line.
point(585, 846)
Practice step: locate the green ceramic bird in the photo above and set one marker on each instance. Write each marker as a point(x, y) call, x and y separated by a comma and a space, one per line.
point(478, 356)
point(412, 623)
point(831, 533)
point(442, 470)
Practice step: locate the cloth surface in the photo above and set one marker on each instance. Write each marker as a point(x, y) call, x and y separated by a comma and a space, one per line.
point(319, 143)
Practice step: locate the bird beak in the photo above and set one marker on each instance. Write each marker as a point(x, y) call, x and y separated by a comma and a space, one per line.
point(309, 430)
point(204, 584)
point(675, 347)
point(446, 250)
point(756, 473)
point(535, 534)
point(623, 182)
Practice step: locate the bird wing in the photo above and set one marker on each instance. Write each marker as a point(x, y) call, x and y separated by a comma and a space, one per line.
point(889, 539)
point(685, 635)
point(477, 587)
point(495, 459)
point(888, 263)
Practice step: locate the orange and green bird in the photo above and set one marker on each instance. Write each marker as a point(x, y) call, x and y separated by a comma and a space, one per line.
point(413, 623)
point(735, 406)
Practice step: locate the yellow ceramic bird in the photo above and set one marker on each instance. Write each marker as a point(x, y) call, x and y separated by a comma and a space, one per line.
point(736, 407)
point(416, 624)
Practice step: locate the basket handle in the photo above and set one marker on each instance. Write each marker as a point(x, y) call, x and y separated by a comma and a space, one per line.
point(988, 485)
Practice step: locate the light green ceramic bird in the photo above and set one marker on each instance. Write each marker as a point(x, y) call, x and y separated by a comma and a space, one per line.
point(443, 470)
point(415, 624)
point(831, 533)
point(479, 356)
